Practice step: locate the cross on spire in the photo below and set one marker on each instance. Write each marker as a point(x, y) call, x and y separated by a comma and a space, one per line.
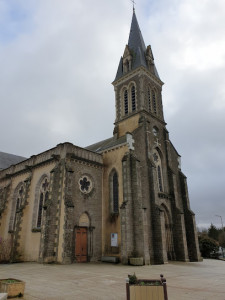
point(133, 4)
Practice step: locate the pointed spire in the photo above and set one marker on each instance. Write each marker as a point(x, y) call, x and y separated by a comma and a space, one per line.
point(135, 38)
point(139, 54)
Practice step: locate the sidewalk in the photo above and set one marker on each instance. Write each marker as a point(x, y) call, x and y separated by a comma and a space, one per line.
point(195, 281)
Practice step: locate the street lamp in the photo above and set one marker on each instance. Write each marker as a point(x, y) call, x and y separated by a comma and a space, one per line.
point(221, 221)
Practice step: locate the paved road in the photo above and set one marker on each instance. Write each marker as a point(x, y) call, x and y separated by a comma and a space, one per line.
point(204, 280)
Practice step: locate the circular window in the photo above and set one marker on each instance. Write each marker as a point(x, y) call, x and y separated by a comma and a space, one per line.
point(85, 184)
point(155, 130)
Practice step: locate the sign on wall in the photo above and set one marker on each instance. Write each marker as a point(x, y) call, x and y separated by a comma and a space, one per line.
point(114, 240)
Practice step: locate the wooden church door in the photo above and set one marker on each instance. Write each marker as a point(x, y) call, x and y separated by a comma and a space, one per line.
point(81, 244)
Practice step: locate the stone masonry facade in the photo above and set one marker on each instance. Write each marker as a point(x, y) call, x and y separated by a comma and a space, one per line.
point(123, 198)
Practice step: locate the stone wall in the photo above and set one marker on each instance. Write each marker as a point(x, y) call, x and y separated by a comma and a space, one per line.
point(78, 203)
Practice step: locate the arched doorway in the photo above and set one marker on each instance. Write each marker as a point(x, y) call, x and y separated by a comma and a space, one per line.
point(81, 239)
point(167, 234)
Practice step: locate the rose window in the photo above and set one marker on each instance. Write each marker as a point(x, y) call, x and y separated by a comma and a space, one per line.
point(85, 184)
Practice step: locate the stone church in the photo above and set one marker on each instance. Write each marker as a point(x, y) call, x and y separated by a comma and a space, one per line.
point(120, 199)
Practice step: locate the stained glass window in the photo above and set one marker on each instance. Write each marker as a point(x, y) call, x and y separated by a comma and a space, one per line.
point(160, 178)
point(158, 165)
point(84, 184)
point(40, 211)
point(43, 198)
point(115, 194)
point(125, 102)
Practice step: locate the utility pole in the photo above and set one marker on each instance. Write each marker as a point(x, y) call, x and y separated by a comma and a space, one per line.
point(221, 221)
point(222, 230)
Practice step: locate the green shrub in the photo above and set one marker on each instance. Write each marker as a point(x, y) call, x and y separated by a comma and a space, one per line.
point(132, 279)
point(208, 246)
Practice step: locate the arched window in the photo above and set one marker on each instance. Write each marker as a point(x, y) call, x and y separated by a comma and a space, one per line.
point(128, 99)
point(114, 192)
point(43, 197)
point(154, 103)
point(149, 100)
point(133, 98)
point(125, 102)
point(159, 178)
point(18, 199)
point(158, 164)
point(40, 211)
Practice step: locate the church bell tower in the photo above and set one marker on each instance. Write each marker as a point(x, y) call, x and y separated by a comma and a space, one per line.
point(137, 84)
point(157, 223)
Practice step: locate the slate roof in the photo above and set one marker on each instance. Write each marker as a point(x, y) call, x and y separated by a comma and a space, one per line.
point(7, 159)
point(107, 144)
point(136, 42)
point(137, 45)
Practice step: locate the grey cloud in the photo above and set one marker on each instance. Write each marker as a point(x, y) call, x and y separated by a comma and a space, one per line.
point(56, 82)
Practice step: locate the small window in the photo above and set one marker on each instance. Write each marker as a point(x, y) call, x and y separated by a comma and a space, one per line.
point(133, 98)
point(127, 66)
point(154, 102)
point(159, 178)
point(125, 102)
point(43, 198)
point(40, 211)
point(115, 194)
point(155, 131)
point(158, 164)
point(149, 101)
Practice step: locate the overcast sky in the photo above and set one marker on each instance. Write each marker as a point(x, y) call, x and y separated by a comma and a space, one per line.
point(58, 59)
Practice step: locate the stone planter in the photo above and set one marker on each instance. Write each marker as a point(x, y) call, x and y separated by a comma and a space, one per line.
point(146, 289)
point(136, 261)
point(13, 287)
